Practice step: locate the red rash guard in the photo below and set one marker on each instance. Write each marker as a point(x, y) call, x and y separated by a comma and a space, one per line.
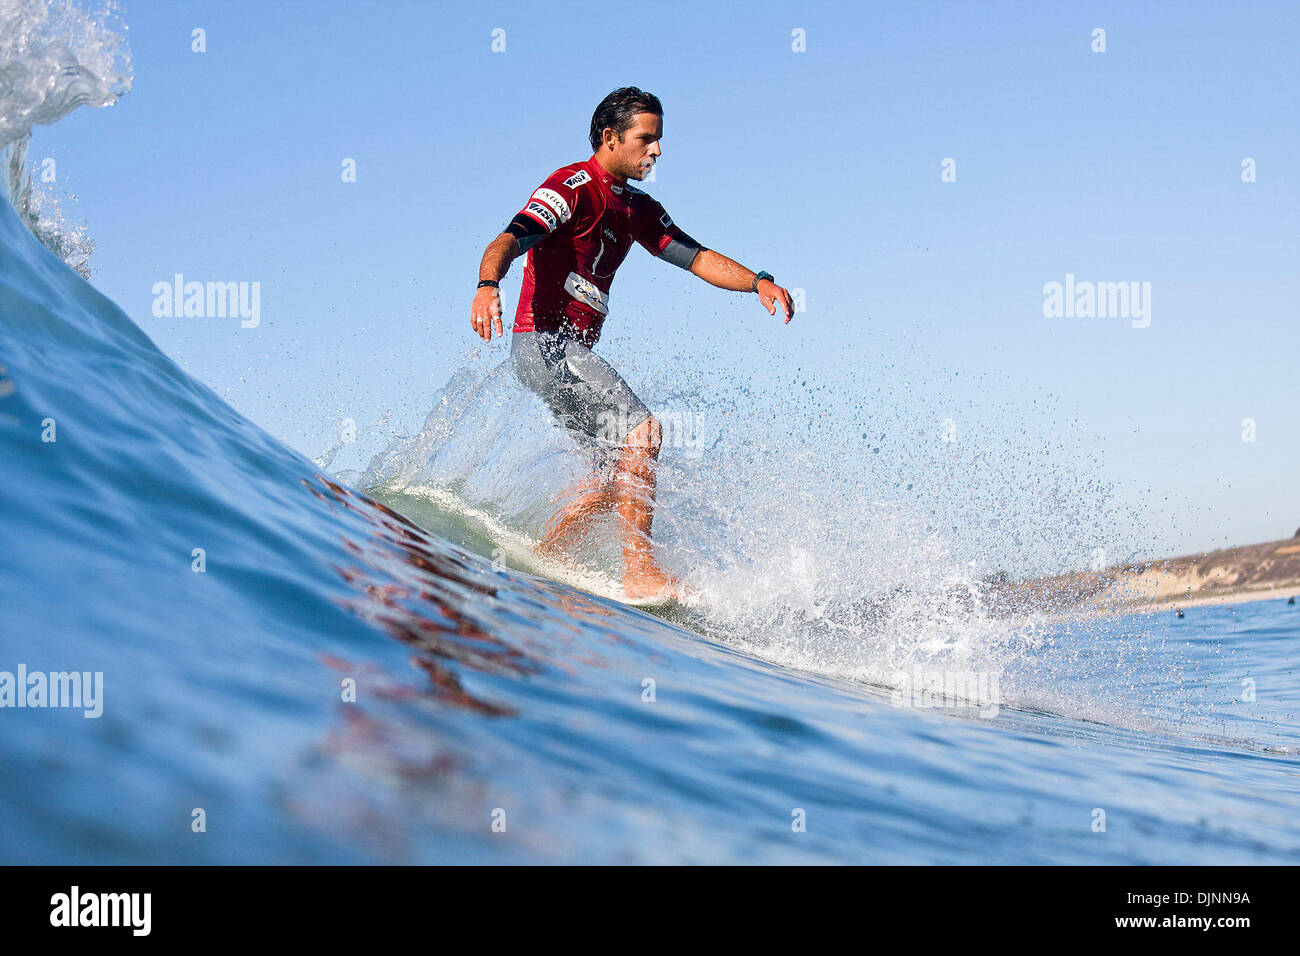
point(578, 227)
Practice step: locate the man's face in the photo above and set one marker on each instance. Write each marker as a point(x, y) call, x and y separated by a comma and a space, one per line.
point(635, 155)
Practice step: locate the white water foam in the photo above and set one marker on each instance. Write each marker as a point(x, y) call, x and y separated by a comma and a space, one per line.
point(792, 556)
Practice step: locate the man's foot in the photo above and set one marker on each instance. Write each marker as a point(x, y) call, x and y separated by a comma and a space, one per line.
point(648, 580)
point(574, 519)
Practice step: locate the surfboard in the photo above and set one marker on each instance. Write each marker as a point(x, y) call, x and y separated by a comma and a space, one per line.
point(520, 552)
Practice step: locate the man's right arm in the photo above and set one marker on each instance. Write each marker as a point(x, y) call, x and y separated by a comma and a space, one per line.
point(551, 206)
point(486, 309)
point(522, 234)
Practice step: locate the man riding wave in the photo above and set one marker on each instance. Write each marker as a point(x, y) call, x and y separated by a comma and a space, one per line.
point(576, 228)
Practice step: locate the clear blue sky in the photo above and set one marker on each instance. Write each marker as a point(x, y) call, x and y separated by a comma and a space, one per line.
point(822, 167)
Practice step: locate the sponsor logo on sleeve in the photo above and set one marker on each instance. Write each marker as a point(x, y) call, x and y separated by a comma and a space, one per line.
point(543, 212)
point(665, 220)
point(577, 179)
point(553, 199)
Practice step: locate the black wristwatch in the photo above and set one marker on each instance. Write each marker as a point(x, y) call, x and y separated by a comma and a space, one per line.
point(492, 282)
point(759, 278)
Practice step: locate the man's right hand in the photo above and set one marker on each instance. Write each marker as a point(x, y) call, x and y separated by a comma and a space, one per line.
point(485, 312)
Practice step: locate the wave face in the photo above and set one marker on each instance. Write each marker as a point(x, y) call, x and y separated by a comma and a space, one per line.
point(294, 671)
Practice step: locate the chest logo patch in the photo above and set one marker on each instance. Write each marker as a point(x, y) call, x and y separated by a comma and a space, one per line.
point(586, 292)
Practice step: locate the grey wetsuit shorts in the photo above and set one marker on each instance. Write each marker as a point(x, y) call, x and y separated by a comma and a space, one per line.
point(581, 389)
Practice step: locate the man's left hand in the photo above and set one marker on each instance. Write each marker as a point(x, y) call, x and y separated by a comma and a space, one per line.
point(769, 293)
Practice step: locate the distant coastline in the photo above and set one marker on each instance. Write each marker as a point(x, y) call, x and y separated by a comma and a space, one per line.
point(1253, 572)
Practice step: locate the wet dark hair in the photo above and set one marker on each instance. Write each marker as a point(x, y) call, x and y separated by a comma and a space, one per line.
point(618, 109)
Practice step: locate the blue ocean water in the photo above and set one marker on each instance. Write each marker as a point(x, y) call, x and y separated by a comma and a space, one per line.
point(501, 717)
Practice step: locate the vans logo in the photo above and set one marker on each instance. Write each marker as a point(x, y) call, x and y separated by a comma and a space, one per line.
point(543, 212)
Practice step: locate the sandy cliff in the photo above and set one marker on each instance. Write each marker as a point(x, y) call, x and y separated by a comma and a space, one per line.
point(1247, 573)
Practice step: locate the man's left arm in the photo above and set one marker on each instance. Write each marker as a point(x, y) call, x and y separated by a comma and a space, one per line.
point(662, 237)
point(716, 269)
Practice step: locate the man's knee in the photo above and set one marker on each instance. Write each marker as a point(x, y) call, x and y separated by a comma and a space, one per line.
point(646, 438)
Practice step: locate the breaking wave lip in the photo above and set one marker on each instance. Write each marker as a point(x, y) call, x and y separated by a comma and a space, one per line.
point(54, 58)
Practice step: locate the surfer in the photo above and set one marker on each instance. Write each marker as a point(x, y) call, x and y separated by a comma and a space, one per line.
point(576, 228)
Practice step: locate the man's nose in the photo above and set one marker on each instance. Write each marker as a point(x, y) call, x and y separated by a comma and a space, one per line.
point(655, 150)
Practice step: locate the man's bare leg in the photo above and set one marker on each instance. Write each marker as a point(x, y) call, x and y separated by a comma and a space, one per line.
point(634, 485)
point(583, 504)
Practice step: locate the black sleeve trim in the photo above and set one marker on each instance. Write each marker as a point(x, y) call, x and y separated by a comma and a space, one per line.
point(527, 230)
